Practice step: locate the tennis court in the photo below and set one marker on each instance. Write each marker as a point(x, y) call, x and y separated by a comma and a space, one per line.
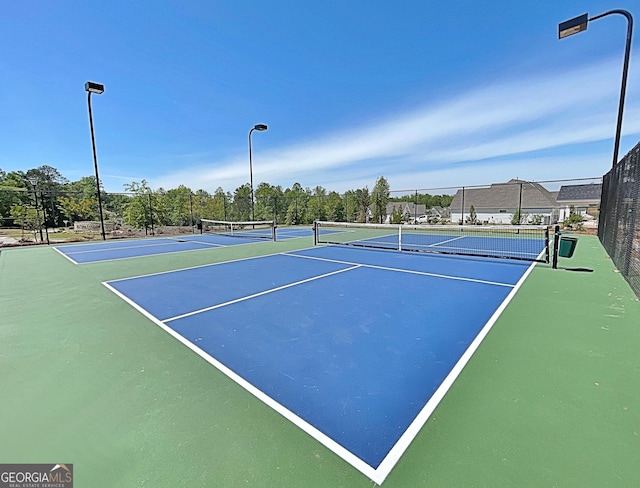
point(335, 339)
point(320, 366)
point(134, 248)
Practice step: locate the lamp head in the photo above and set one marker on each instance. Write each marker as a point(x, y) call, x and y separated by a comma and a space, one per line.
point(260, 127)
point(92, 87)
point(573, 26)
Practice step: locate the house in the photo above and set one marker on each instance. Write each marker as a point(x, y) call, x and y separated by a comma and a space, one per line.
point(501, 202)
point(438, 214)
point(582, 199)
point(409, 211)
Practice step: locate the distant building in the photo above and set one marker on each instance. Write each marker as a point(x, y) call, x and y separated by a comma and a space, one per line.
point(499, 203)
point(438, 214)
point(92, 226)
point(409, 210)
point(583, 199)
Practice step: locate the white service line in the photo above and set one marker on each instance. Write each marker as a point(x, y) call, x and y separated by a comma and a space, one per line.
point(117, 248)
point(248, 297)
point(446, 241)
point(400, 270)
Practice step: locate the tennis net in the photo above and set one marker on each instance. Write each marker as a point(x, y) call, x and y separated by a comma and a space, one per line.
point(259, 229)
point(526, 242)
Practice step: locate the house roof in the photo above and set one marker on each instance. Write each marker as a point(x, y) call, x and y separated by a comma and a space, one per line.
point(504, 196)
point(411, 207)
point(570, 193)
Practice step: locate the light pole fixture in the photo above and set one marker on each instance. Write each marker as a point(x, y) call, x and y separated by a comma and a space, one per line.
point(579, 24)
point(258, 127)
point(98, 89)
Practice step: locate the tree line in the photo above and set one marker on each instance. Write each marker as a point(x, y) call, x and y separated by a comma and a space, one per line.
point(43, 196)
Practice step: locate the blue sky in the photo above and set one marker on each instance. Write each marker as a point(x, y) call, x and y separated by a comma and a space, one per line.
point(427, 94)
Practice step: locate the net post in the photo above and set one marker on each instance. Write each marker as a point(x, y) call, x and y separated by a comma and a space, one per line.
point(273, 230)
point(400, 237)
point(546, 245)
point(556, 241)
point(315, 232)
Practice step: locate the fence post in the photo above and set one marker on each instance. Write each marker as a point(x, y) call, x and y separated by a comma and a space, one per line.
point(151, 215)
point(520, 206)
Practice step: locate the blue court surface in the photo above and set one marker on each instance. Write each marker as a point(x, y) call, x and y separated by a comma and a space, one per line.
point(356, 347)
point(133, 248)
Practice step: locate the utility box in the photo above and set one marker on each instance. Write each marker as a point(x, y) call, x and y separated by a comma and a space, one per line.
point(567, 246)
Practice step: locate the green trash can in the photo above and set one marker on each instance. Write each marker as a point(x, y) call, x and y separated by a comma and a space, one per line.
point(567, 246)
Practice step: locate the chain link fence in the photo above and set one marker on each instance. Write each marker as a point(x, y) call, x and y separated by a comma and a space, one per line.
point(619, 228)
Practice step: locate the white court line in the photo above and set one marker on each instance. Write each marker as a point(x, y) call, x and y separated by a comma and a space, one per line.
point(446, 241)
point(117, 248)
point(237, 300)
point(400, 270)
point(204, 243)
point(216, 246)
point(203, 266)
point(145, 255)
point(65, 255)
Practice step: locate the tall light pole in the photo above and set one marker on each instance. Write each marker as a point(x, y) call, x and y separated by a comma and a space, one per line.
point(258, 127)
point(97, 88)
point(579, 24)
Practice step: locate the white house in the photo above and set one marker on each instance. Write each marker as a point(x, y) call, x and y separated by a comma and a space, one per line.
point(408, 210)
point(583, 199)
point(500, 203)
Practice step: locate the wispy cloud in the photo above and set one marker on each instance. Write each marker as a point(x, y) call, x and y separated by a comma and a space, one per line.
point(490, 122)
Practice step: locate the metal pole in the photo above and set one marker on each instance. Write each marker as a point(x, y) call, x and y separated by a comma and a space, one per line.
point(191, 211)
point(275, 208)
point(53, 209)
point(95, 165)
point(346, 207)
point(253, 216)
point(579, 24)
point(151, 215)
point(35, 192)
point(556, 242)
point(520, 206)
point(44, 217)
point(462, 218)
point(625, 70)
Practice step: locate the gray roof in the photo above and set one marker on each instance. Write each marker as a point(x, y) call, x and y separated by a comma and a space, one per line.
point(505, 196)
point(403, 206)
point(570, 193)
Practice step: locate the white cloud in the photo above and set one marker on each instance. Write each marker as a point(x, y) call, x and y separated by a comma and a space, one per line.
point(496, 121)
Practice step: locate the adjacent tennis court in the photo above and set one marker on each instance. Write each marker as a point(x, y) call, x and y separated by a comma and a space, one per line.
point(220, 234)
point(356, 347)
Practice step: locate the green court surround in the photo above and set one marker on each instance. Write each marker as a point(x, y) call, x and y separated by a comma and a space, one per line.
point(551, 398)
